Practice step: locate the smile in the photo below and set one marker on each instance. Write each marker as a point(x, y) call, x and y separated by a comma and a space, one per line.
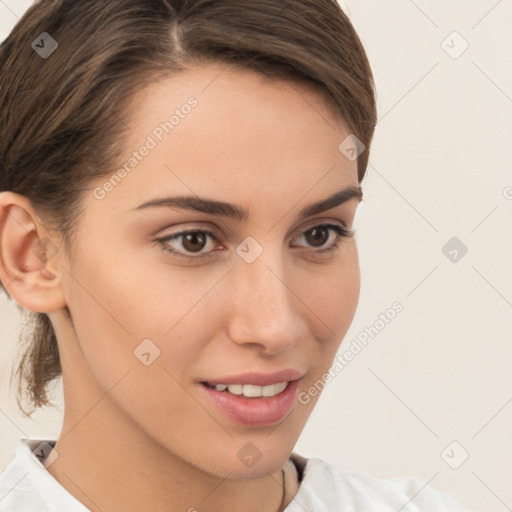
point(252, 405)
point(250, 390)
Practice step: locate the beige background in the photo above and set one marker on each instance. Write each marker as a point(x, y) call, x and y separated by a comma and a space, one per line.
point(440, 167)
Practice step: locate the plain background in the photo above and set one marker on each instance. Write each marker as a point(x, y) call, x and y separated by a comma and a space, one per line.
point(440, 166)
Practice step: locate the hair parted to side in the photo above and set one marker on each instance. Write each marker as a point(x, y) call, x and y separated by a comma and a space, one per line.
point(63, 119)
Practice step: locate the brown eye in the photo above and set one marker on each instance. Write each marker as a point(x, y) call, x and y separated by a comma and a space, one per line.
point(317, 236)
point(194, 242)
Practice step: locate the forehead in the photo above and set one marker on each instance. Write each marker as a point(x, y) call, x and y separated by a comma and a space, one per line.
point(241, 102)
point(215, 81)
point(221, 132)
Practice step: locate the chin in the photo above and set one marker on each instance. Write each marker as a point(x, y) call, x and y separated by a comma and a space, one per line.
point(263, 468)
point(246, 459)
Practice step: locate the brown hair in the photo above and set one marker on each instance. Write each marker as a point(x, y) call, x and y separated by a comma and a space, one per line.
point(63, 118)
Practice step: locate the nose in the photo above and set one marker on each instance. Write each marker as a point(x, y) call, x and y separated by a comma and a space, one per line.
point(265, 309)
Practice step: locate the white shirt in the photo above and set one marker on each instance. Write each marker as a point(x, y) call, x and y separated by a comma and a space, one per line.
point(26, 486)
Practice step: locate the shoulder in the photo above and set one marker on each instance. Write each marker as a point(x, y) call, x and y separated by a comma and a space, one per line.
point(16, 489)
point(25, 484)
point(325, 488)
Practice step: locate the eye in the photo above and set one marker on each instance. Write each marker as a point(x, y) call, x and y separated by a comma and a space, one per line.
point(318, 236)
point(191, 244)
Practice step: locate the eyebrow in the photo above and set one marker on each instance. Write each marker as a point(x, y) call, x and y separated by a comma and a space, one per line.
point(238, 213)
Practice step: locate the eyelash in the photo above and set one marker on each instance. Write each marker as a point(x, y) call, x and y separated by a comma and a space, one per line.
point(341, 232)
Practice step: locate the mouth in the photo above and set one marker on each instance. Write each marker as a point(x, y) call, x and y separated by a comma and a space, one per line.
point(249, 390)
point(252, 405)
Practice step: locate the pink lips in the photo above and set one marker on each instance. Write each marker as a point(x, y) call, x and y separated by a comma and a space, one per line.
point(255, 411)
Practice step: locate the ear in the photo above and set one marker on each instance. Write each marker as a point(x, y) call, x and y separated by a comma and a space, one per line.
point(29, 256)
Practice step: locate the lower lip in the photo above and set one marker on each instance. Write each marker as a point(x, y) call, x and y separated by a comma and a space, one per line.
point(255, 411)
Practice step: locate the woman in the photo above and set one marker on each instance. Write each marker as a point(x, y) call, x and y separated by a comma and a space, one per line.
point(179, 181)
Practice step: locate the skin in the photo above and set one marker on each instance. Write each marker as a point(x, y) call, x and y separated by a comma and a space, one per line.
point(139, 437)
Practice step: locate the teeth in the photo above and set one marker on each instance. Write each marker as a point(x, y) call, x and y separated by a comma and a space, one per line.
point(250, 391)
point(274, 389)
point(236, 389)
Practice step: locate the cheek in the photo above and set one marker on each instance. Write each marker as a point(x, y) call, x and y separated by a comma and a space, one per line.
point(332, 298)
point(135, 341)
point(334, 294)
point(130, 301)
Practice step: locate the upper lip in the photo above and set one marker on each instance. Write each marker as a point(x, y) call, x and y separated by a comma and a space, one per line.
point(258, 378)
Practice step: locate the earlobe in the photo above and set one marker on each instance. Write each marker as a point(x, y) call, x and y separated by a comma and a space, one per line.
point(28, 256)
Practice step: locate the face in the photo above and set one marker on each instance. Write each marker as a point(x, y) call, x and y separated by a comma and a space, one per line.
point(168, 296)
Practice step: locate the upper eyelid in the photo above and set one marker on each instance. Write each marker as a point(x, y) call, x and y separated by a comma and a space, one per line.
point(215, 231)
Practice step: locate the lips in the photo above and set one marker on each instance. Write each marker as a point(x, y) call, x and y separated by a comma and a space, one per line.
point(254, 399)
